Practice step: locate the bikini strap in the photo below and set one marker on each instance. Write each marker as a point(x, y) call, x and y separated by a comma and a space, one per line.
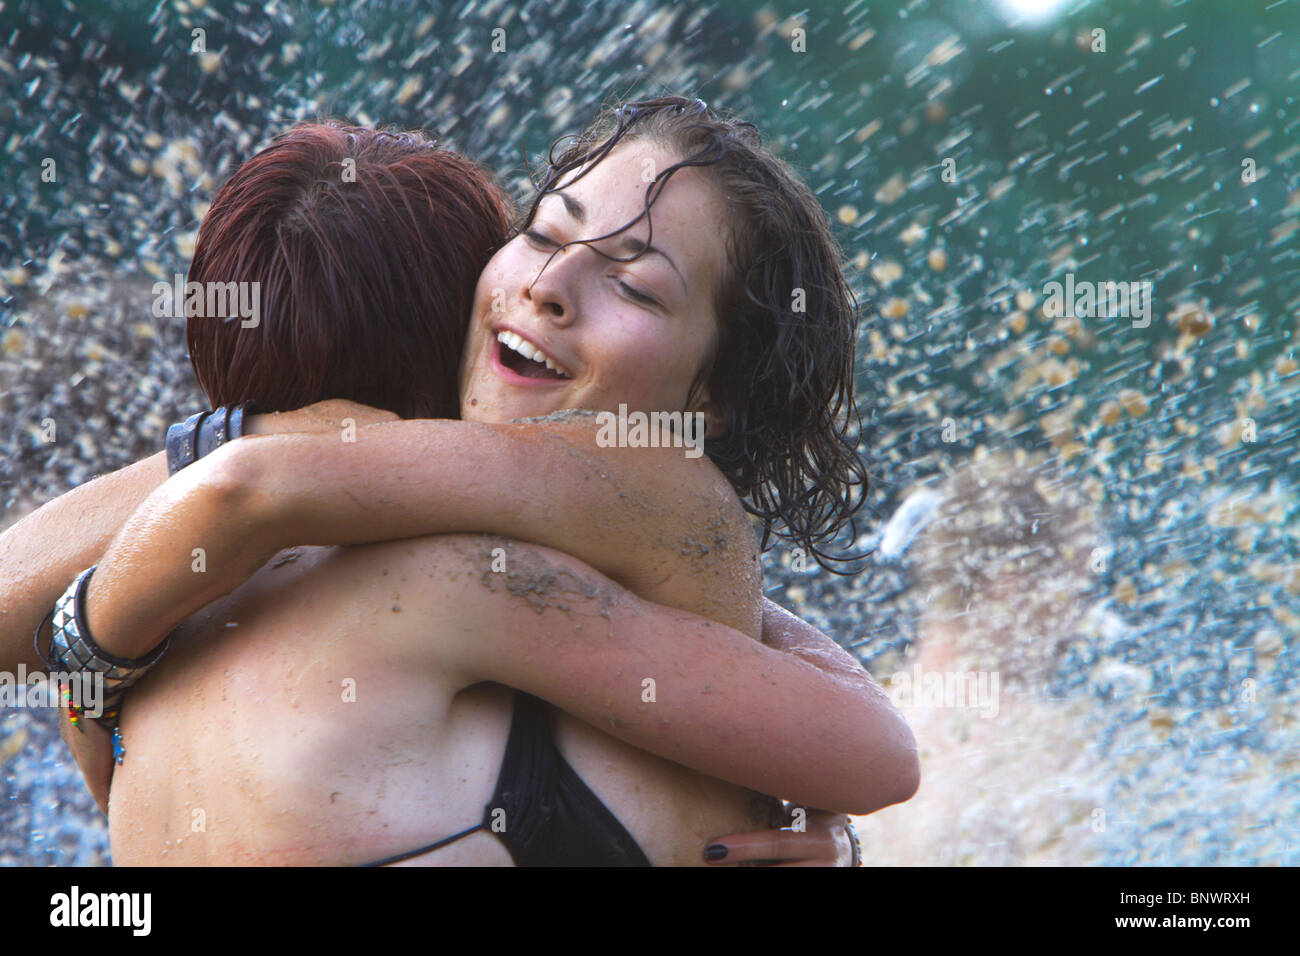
point(426, 849)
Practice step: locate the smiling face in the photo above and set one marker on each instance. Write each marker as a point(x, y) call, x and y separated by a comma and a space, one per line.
point(588, 332)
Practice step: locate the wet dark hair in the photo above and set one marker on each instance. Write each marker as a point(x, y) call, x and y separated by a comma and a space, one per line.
point(783, 379)
point(367, 280)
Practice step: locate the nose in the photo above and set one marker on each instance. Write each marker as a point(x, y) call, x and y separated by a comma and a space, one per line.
point(553, 291)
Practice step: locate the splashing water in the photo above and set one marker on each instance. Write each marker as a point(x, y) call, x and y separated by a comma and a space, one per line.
point(1108, 480)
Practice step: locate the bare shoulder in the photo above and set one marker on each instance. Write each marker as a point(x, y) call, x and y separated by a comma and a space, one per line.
point(694, 543)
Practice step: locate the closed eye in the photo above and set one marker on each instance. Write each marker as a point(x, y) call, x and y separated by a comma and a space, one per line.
point(532, 235)
point(636, 295)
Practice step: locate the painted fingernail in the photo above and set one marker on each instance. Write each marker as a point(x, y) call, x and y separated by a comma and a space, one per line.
point(715, 852)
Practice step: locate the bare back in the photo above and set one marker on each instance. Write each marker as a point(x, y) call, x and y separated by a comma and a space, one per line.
point(307, 718)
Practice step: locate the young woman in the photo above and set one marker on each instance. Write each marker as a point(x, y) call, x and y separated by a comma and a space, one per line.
point(655, 508)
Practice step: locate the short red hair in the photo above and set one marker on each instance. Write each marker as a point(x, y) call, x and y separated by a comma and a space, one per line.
point(366, 269)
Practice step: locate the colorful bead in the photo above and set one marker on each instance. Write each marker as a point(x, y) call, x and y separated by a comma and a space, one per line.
point(74, 711)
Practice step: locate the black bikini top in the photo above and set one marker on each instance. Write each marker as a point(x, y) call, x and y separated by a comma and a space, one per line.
point(542, 810)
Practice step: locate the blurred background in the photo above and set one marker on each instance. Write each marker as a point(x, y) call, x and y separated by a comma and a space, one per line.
point(1098, 515)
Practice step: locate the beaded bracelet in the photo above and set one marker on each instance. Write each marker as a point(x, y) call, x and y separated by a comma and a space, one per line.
point(108, 718)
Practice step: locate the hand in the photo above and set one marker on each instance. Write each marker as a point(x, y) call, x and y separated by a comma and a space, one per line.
point(824, 842)
point(326, 416)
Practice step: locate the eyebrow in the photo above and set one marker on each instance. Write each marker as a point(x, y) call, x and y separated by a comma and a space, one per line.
point(629, 243)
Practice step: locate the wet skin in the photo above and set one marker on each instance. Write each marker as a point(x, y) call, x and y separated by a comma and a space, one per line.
point(252, 729)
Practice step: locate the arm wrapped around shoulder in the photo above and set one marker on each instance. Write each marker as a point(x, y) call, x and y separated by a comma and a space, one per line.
point(678, 685)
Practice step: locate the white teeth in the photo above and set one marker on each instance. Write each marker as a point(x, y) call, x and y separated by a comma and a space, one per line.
point(528, 350)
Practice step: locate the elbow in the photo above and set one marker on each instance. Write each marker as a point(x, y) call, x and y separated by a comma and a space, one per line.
point(891, 776)
point(232, 487)
point(907, 778)
point(229, 473)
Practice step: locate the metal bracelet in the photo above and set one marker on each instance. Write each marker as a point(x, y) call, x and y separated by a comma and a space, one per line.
point(238, 414)
point(181, 442)
point(72, 649)
point(212, 432)
point(203, 433)
point(851, 830)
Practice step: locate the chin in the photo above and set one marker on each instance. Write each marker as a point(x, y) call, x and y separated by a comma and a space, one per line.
point(498, 406)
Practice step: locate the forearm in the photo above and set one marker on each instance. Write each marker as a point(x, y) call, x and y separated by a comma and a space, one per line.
point(785, 632)
point(44, 552)
point(194, 539)
point(547, 485)
point(212, 525)
point(722, 703)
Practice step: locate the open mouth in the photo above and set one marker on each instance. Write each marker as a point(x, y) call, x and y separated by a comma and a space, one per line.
point(523, 358)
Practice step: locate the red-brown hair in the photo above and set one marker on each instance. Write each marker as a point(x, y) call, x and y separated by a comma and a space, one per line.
point(366, 269)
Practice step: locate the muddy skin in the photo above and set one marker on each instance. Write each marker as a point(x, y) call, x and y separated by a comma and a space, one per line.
point(564, 415)
point(531, 578)
point(570, 415)
point(708, 540)
point(699, 548)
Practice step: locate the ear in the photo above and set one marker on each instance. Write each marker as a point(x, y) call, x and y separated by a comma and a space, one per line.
point(715, 423)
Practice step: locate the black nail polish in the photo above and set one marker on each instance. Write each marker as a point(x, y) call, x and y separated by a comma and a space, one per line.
point(715, 852)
